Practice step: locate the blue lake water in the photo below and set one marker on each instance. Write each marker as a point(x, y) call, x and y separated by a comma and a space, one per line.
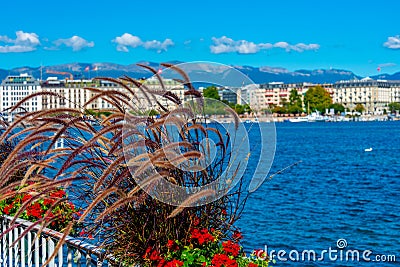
point(338, 191)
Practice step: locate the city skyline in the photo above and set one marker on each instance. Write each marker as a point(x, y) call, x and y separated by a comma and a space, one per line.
point(291, 35)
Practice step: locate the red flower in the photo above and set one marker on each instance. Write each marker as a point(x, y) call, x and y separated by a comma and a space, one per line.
point(84, 233)
point(71, 205)
point(48, 202)
point(35, 210)
point(172, 245)
point(58, 194)
point(7, 209)
point(222, 260)
point(196, 221)
point(252, 265)
point(26, 197)
point(148, 250)
point(155, 256)
point(223, 212)
point(260, 253)
point(237, 235)
point(231, 248)
point(201, 236)
point(174, 263)
point(161, 263)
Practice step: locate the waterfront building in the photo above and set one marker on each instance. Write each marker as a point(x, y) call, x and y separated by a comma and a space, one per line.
point(72, 93)
point(278, 93)
point(170, 85)
point(13, 89)
point(75, 93)
point(374, 95)
point(229, 94)
point(256, 98)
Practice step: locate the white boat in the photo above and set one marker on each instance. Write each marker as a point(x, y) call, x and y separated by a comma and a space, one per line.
point(313, 117)
point(299, 119)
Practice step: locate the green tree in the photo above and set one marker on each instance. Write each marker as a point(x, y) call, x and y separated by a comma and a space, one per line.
point(294, 109)
point(239, 109)
point(284, 102)
point(279, 110)
point(394, 106)
point(247, 108)
point(211, 92)
point(295, 98)
point(339, 108)
point(317, 98)
point(295, 105)
point(359, 108)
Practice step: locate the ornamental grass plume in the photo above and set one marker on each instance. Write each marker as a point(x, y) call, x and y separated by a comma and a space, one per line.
point(92, 166)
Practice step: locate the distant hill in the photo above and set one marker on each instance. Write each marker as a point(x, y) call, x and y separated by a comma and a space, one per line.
point(395, 76)
point(257, 74)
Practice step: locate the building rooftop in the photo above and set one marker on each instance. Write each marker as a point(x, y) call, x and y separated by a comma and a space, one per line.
point(22, 79)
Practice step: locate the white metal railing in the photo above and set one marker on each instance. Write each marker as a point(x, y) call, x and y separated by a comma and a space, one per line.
point(33, 250)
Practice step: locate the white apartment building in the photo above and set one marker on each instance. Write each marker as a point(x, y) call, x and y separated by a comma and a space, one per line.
point(13, 89)
point(278, 93)
point(256, 98)
point(374, 95)
point(170, 85)
point(74, 94)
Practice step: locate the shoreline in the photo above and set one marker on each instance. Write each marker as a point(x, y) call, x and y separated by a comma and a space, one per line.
point(274, 118)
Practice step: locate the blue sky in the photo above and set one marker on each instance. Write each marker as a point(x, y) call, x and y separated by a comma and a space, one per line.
point(355, 35)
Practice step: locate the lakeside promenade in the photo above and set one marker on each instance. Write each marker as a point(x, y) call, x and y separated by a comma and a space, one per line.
point(286, 117)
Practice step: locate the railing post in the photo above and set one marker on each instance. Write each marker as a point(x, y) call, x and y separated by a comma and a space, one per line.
point(50, 252)
point(69, 257)
point(88, 260)
point(21, 230)
point(10, 249)
point(36, 241)
point(16, 246)
point(4, 244)
point(44, 249)
point(78, 258)
point(29, 245)
point(60, 257)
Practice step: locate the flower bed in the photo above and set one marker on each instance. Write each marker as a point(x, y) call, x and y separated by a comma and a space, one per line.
point(53, 205)
point(204, 248)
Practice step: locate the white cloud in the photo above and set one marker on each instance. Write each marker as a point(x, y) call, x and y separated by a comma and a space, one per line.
point(387, 65)
point(24, 42)
point(393, 42)
point(300, 47)
point(157, 45)
point(77, 43)
point(127, 40)
point(227, 45)
point(283, 45)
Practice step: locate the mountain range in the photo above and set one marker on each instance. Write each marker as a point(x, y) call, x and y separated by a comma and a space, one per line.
point(256, 74)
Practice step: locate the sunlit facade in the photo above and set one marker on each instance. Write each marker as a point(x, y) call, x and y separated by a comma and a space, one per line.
point(13, 89)
point(374, 95)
